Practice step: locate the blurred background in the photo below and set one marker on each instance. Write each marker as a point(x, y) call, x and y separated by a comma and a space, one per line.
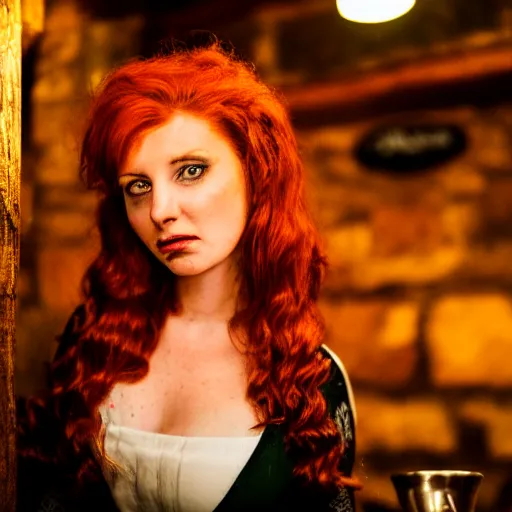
point(406, 131)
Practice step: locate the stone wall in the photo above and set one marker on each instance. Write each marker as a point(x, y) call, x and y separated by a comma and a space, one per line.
point(418, 300)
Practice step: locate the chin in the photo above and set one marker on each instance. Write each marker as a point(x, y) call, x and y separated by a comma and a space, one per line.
point(184, 266)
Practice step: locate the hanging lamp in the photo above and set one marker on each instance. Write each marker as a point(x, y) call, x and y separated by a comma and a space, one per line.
point(373, 11)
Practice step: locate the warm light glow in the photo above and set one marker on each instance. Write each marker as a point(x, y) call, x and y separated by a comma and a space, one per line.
point(373, 11)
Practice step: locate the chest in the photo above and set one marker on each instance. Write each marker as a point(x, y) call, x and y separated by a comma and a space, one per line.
point(190, 390)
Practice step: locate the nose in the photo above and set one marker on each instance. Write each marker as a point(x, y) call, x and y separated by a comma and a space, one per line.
point(164, 207)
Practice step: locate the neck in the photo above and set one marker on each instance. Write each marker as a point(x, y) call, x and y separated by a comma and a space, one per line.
point(210, 296)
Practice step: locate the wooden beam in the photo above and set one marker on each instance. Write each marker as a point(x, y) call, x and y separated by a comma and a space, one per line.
point(371, 87)
point(10, 160)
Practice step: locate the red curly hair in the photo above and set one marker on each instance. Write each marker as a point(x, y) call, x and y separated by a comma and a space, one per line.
point(282, 263)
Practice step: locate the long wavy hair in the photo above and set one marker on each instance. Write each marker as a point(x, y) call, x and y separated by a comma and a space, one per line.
point(281, 263)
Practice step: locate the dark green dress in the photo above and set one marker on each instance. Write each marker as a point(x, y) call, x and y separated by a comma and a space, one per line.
point(265, 483)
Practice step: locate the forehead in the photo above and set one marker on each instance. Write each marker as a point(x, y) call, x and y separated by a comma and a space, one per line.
point(182, 134)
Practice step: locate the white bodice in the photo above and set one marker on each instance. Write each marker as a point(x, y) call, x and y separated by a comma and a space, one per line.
point(175, 473)
point(172, 473)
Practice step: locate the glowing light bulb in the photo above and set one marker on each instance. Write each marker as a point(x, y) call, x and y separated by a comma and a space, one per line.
point(373, 11)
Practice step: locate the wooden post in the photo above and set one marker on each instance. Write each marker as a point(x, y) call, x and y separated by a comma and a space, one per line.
point(10, 161)
point(11, 25)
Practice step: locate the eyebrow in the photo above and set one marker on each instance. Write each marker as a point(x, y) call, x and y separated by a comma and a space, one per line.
point(184, 158)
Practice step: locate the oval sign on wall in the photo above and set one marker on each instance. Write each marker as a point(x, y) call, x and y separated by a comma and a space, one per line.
point(411, 148)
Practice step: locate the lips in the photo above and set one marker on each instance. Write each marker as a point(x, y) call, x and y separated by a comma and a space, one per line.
point(175, 243)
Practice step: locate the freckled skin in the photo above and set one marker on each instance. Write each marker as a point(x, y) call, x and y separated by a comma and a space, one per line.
point(213, 208)
point(184, 178)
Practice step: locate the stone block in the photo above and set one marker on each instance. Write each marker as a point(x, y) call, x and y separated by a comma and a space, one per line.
point(59, 273)
point(348, 244)
point(60, 47)
point(57, 165)
point(469, 337)
point(496, 418)
point(337, 139)
point(408, 269)
point(56, 226)
point(491, 143)
point(337, 167)
point(328, 155)
point(376, 340)
point(57, 123)
point(405, 229)
point(263, 47)
point(459, 223)
point(462, 177)
point(109, 43)
point(335, 204)
point(401, 325)
point(58, 84)
point(419, 424)
point(496, 206)
point(67, 197)
point(64, 16)
point(488, 262)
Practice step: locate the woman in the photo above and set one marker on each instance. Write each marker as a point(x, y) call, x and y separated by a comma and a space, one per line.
point(193, 377)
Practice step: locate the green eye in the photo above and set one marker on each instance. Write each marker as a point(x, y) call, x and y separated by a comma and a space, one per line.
point(137, 188)
point(191, 172)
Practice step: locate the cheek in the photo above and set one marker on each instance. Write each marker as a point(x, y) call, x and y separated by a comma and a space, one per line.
point(221, 207)
point(228, 218)
point(138, 221)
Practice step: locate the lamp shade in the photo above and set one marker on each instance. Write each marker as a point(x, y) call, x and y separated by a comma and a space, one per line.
point(373, 11)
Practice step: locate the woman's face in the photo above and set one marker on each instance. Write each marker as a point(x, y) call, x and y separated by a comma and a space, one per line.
point(184, 191)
